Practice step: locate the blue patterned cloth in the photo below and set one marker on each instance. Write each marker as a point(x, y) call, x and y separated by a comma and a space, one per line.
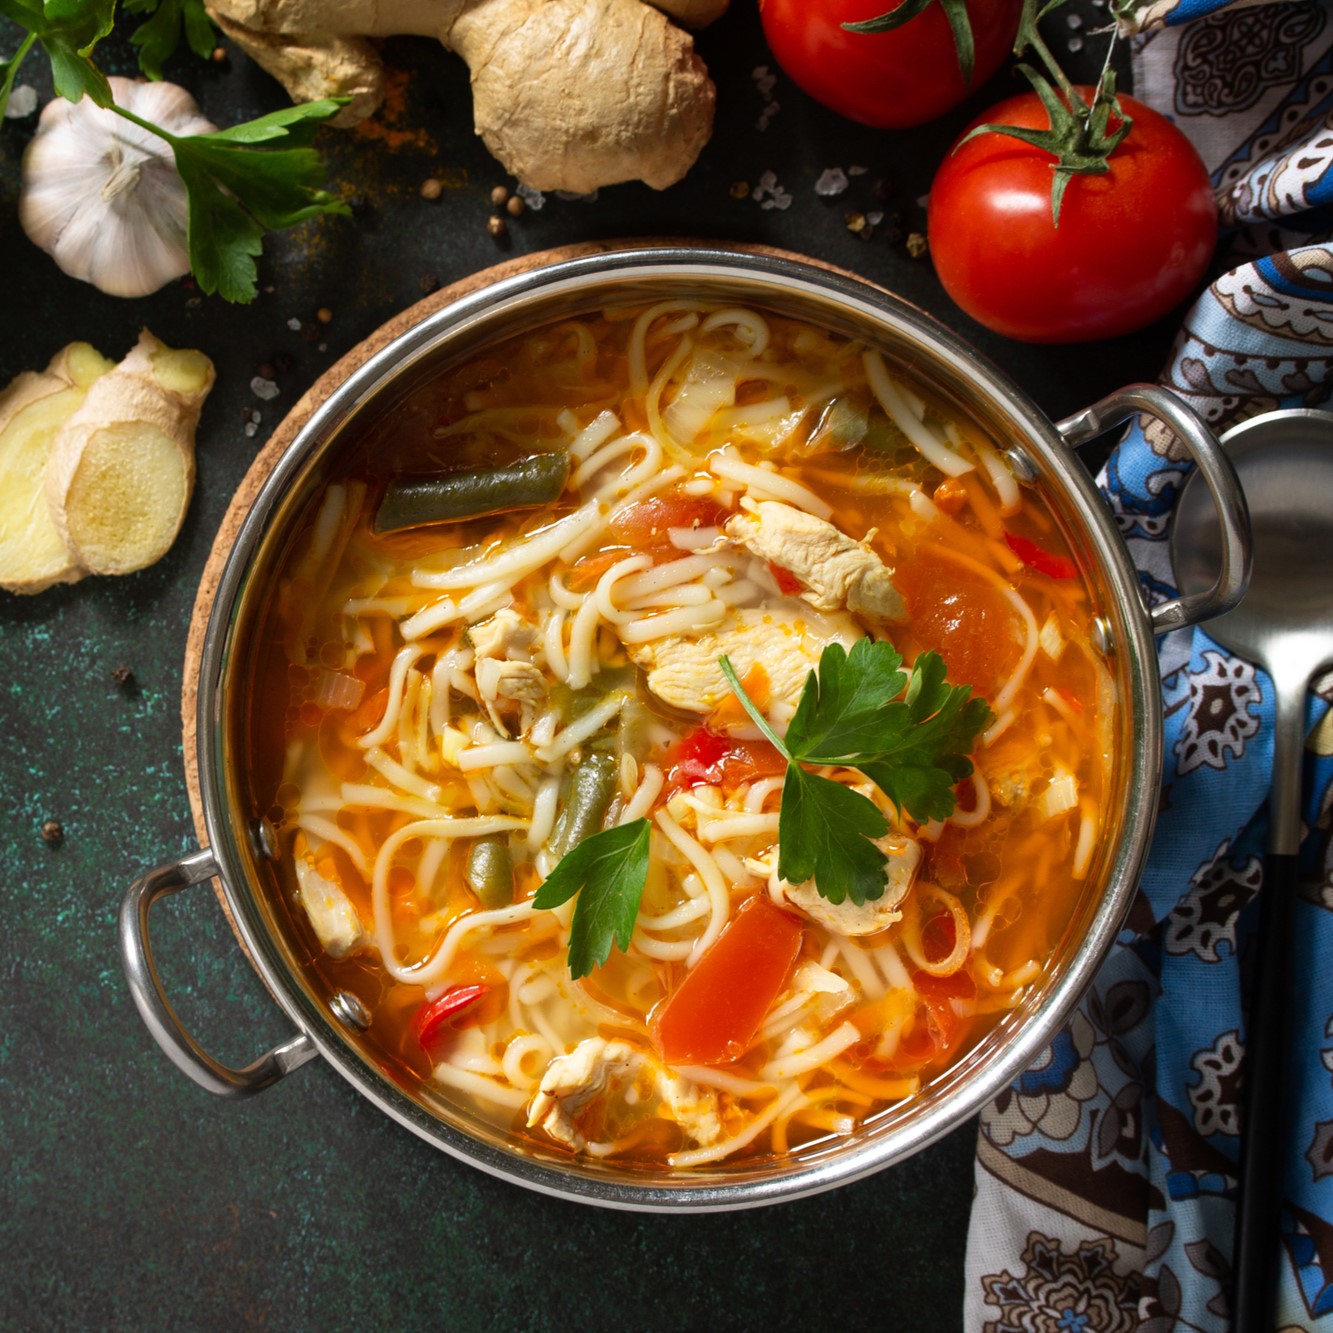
point(1106, 1176)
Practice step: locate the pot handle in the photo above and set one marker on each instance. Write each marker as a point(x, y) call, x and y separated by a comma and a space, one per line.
point(154, 1007)
point(1219, 474)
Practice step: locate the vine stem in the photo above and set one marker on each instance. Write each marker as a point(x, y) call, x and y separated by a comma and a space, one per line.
point(1030, 36)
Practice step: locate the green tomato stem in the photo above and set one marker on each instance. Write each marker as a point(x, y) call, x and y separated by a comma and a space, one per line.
point(1030, 36)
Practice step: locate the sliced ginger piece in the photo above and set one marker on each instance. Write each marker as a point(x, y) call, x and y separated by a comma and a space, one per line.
point(33, 409)
point(121, 473)
point(127, 498)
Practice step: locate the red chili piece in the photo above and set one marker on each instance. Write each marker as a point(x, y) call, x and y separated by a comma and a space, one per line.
point(431, 1017)
point(1038, 558)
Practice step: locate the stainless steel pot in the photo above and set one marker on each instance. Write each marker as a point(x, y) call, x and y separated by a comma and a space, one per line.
point(239, 851)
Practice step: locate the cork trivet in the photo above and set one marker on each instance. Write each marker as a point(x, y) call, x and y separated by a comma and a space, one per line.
point(287, 430)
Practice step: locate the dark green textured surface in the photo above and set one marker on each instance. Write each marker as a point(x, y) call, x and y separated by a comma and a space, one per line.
point(130, 1199)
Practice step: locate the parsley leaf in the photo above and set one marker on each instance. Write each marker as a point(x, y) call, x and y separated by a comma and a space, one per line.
point(237, 190)
point(158, 36)
point(824, 832)
point(608, 871)
point(67, 30)
point(909, 734)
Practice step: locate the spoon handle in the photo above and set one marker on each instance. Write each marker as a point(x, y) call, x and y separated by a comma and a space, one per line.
point(1262, 1162)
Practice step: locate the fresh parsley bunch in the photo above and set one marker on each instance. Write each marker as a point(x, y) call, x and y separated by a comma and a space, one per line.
point(256, 177)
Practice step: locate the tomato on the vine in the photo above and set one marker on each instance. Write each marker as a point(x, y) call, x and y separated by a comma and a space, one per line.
point(1130, 246)
point(887, 79)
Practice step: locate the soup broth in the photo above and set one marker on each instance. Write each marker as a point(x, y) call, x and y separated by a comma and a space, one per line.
point(498, 637)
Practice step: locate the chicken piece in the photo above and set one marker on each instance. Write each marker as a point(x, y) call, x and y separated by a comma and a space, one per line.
point(785, 641)
point(332, 915)
point(576, 1095)
point(836, 571)
point(521, 682)
point(504, 673)
point(505, 631)
point(505, 688)
point(872, 916)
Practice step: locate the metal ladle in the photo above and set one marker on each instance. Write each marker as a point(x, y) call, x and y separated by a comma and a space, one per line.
point(1284, 624)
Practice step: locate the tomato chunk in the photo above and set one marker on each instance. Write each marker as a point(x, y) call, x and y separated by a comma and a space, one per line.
point(712, 1017)
point(705, 757)
point(963, 617)
point(788, 584)
point(648, 522)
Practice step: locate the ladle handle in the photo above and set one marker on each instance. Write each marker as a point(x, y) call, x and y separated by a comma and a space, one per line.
point(1262, 1165)
point(1219, 475)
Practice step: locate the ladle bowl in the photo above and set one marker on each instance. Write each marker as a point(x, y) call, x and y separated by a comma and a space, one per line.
point(1284, 624)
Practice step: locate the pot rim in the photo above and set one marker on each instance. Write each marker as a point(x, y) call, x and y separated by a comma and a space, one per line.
point(962, 1090)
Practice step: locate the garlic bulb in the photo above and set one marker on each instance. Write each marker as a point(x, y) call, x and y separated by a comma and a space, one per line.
point(102, 197)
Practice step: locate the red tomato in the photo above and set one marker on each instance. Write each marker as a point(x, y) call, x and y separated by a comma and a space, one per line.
point(886, 79)
point(1131, 245)
point(713, 1015)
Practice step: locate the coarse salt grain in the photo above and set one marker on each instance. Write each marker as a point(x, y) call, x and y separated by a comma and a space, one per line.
point(769, 194)
point(831, 182)
point(22, 102)
point(264, 389)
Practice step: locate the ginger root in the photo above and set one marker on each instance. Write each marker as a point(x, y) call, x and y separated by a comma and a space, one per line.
point(97, 462)
point(32, 410)
point(567, 94)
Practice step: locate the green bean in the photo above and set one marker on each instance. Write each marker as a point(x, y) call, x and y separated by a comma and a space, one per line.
point(474, 493)
point(490, 872)
point(573, 704)
point(592, 784)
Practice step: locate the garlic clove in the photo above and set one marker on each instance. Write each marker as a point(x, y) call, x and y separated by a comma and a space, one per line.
point(101, 195)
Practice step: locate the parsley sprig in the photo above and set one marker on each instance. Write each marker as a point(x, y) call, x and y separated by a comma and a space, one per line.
point(608, 871)
point(237, 190)
point(240, 182)
point(909, 734)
